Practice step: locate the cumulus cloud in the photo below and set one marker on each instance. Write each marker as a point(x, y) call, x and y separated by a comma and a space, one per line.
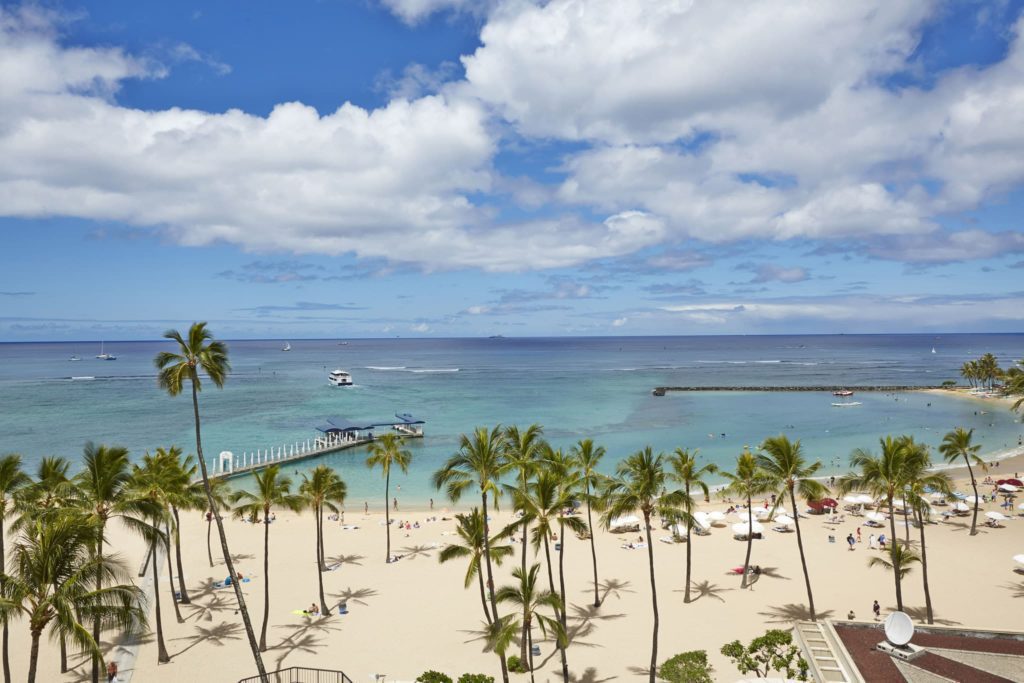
point(769, 272)
point(414, 11)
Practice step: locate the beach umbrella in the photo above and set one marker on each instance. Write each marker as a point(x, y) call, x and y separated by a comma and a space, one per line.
point(852, 498)
point(716, 516)
point(625, 521)
point(785, 520)
point(961, 507)
point(875, 516)
point(1019, 559)
point(865, 499)
point(823, 504)
point(678, 530)
point(937, 495)
point(1021, 506)
point(1009, 488)
point(741, 529)
point(701, 519)
point(1012, 482)
point(996, 516)
point(970, 500)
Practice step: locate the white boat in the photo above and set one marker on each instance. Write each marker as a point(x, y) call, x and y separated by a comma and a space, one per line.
point(933, 349)
point(339, 378)
point(286, 347)
point(846, 404)
point(75, 357)
point(104, 355)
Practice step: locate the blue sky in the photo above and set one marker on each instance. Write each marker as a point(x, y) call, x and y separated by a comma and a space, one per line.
point(354, 168)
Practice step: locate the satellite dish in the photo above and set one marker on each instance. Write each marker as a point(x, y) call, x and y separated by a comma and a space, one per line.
point(899, 629)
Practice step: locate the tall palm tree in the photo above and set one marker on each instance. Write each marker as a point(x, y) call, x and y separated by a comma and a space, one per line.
point(188, 495)
point(784, 464)
point(899, 559)
point(151, 484)
point(386, 452)
point(219, 492)
point(957, 444)
point(12, 480)
point(102, 494)
point(470, 528)
point(201, 353)
point(1015, 384)
point(637, 486)
point(51, 582)
point(272, 491)
point(881, 476)
point(747, 481)
point(526, 595)
point(686, 472)
point(478, 464)
point(589, 457)
point(321, 488)
point(920, 480)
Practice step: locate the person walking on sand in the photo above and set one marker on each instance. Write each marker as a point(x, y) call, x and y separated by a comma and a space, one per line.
point(871, 542)
point(851, 541)
point(111, 671)
point(395, 504)
point(366, 508)
point(858, 534)
point(877, 609)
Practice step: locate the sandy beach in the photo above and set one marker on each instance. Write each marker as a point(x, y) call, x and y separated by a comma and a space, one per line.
point(413, 615)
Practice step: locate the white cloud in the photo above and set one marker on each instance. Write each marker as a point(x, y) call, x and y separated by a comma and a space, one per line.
point(619, 322)
point(422, 328)
point(414, 11)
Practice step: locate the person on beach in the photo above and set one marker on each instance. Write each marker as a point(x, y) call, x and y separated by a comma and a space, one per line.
point(431, 503)
point(858, 534)
point(877, 609)
point(871, 542)
point(395, 504)
point(851, 541)
point(111, 671)
point(851, 616)
point(366, 508)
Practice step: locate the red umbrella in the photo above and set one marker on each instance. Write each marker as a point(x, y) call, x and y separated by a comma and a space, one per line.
point(823, 504)
point(1011, 482)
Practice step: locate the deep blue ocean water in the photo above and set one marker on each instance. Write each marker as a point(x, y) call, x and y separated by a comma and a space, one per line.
point(576, 387)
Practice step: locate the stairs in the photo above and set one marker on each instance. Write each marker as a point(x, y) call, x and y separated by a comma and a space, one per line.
point(826, 659)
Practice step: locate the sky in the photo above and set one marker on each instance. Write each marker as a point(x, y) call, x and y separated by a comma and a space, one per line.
point(444, 168)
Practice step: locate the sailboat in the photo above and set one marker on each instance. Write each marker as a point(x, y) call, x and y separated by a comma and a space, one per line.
point(933, 349)
point(286, 347)
point(104, 355)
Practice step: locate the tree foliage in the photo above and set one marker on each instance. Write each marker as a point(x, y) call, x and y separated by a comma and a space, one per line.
point(773, 651)
point(687, 667)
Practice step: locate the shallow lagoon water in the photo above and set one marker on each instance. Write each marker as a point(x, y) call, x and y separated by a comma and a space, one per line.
point(591, 387)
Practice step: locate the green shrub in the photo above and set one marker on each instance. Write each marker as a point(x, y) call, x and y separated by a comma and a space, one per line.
point(687, 667)
point(433, 677)
point(774, 651)
point(517, 666)
point(476, 678)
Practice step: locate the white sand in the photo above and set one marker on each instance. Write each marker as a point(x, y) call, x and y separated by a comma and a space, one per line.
point(415, 615)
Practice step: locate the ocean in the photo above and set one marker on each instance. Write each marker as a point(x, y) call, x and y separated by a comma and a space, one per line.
point(597, 388)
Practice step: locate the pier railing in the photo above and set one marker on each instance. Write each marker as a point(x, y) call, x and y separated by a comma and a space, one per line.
point(300, 674)
point(660, 391)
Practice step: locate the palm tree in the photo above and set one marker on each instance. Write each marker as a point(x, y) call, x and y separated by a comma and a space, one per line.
point(526, 595)
point(200, 352)
point(101, 494)
point(188, 495)
point(272, 491)
point(746, 482)
point(588, 457)
point(881, 476)
point(920, 479)
point(784, 464)
point(1015, 384)
point(477, 463)
point(322, 488)
point(637, 486)
point(899, 561)
point(52, 583)
point(386, 452)
point(686, 472)
point(12, 480)
point(470, 528)
point(957, 444)
point(219, 495)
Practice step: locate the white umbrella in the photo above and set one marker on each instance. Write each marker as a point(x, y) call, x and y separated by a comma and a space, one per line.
point(996, 516)
point(970, 500)
point(961, 507)
point(701, 520)
point(937, 495)
point(678, 530)
point(1019, 559)
point(741, 529)
point(628, 520)
point(785, 520)
point(716, 516)
point(759, 510)
point(875, 516)
point(1009, 488)
point(865, 499)
point(1021, 506)
point(852, 498)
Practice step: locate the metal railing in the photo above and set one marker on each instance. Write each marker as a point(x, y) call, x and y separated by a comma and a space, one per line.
point(299, 674)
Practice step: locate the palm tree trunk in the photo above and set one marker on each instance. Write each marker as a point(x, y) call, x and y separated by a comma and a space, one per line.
point(561, 588)
point(529, 641)
point(490, 579)
point(593, 550)
point(185, 600)
point(803, 559)
point(161, 657)
point(551, 576)
point(924, 572)
point(320, 536)
point(319, 565)
point(3, 567)
point(483, 596)
point(170, 576)
point(974, 485)
point(524, 637)
point(257, 657)
point(654, 598)
point(96, 620)
point(906, 521)
point(895, 572)
point(63, 655)
point(33, 657)
point(750, 541)
point(686, 591)
point(266, 578)
point(209, 528)
point(387, 513)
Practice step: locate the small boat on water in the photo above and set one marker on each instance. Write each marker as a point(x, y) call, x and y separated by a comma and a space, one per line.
point(286, 347)
point(339, 378)
point(104, 355)
point(842, 392)
point(74, 357)
point(846, 404)
point(933, 349)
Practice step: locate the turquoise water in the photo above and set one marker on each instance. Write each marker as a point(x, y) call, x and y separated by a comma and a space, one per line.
point(577, 388)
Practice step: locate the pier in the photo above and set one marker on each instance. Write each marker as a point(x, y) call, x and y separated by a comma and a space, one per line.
point(334, 434)
point(660, 391)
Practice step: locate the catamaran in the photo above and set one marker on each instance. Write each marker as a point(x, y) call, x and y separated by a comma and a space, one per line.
point(286, 347)
point(104, 355)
